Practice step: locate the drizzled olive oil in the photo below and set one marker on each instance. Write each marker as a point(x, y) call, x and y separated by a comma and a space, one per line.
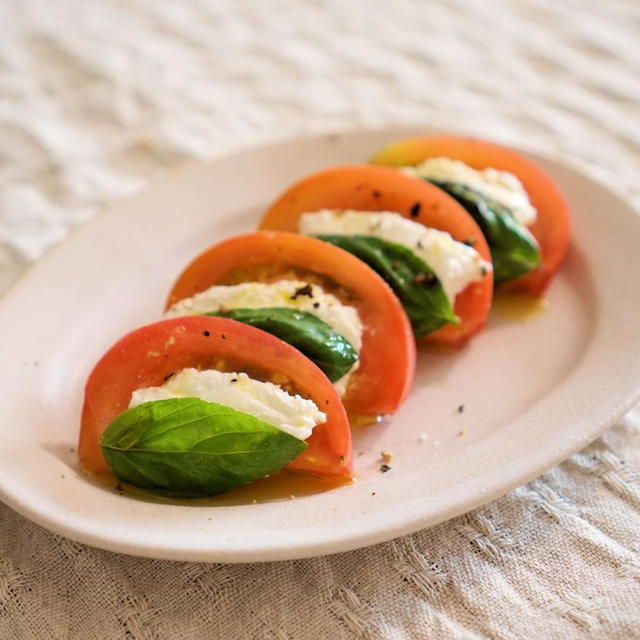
point(518, 307)
point(282, 485)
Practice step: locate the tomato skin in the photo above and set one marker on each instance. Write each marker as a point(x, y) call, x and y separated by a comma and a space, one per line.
point(147, 355)
point(373, 188)
point(552, 226)
point(387, 357)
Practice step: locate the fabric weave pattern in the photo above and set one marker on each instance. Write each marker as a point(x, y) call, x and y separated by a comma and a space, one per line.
point(97, 97)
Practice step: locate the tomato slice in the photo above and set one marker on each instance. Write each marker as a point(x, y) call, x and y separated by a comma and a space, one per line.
point(551, 228)
point(370, 188)
point(387, 356)
point(146, 356)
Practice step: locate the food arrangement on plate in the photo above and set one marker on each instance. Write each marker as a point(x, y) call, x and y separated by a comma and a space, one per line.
point(276, 343)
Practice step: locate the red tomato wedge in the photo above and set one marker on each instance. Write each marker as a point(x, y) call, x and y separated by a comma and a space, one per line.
point(551, 228)
point(146, 356)
point(387, 356)
point(369, 188)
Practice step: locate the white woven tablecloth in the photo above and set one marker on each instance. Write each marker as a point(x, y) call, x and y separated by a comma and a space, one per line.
point(98, 96)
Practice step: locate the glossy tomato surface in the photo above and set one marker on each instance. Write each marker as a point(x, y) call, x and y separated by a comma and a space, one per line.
point(551, 228)
point(147, 356)
point(387, 356)
point(371, 188)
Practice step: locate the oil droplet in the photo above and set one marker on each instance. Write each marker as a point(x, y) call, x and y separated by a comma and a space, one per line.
point(518, 307)
point(357, 420)
point(432, 347)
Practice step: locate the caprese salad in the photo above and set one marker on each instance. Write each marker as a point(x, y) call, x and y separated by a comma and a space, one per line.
point(273, 342)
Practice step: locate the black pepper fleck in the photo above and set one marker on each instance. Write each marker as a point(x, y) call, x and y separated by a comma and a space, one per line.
point(425, 280)
point(415, 210)
point(316, 305)
point(470, 241)
point(169, 375)
point(460, 408)
point(376, 194)
point(206, 334)
point(234, 379)
point(384, 468)
point(223, 336)
point(303, 291)
point(484, 271)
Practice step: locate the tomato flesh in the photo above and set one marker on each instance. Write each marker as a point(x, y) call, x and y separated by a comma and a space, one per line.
point(387, 357)
point(552, 225)
point(372, 188)
point(146, 356)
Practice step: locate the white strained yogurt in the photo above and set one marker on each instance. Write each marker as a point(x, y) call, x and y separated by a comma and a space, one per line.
point(455, 264)
point(501, 186)
point(263, 400)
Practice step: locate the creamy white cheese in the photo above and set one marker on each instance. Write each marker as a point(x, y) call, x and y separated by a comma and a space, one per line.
point(501, 186)
point(455, 263)
point(264, 400)
point(254, 295)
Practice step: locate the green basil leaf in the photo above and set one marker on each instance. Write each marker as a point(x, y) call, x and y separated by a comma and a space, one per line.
point(417, 286)
point(333, 353)
point(186, 447)
point(514, 250)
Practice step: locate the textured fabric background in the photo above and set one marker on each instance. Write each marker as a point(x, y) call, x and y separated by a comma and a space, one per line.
point(99, 96)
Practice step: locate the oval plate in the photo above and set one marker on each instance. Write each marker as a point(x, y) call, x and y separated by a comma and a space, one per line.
point(533, 391)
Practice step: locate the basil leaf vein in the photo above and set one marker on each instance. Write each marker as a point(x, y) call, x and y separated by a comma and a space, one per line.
point(186, 447)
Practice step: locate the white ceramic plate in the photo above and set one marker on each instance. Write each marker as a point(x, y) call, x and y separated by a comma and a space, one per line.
point(534, 391)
